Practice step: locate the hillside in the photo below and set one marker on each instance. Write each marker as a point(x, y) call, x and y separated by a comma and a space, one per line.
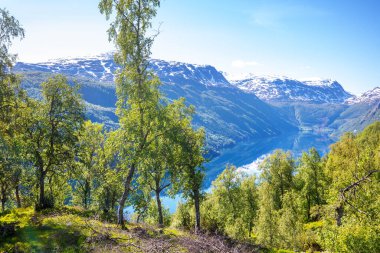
point(362, 111)
point(321, 106)
point(71, 229)
point(284, 89)
point(232, 111)
point(257, 110)
point(252, 116)
point(228, 114)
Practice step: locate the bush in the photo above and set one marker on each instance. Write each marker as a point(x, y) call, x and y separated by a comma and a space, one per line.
point(21, 247)
point(8, 229)
point(353, 238)
point(182, 217)
point(152, 215)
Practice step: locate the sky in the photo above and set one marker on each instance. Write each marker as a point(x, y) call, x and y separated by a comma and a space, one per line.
point(303, 39)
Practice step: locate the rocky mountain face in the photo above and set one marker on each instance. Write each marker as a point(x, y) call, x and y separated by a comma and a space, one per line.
point(244, 119)
point(229, 114)
point(316, 105)
point(251, 108)
point(362, 111)
point(283, 89)
point(368, 97)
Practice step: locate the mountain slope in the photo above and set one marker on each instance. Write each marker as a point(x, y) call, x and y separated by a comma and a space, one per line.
point(228, 114)
point(283, 89)
point(362, 111)
point(367, 97)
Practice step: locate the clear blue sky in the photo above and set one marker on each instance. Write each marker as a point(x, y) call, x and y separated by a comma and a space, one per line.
point(338, 39)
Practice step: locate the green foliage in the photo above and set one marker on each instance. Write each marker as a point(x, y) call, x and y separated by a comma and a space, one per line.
point(278, 170)
point(312, 182)
point(36, 233)
point(234, 203)
point(86, 174)
point(152, 215)
point(10, 29)
point(268, 217)
point(147, 122)
point(12, 100)
point(192, 174)
point(50, 157)
point(19, 215)
point(290, 223)
point(183, 218)
point(52, 136)
point(229, 209)
point(351, 238)
point(353, 172)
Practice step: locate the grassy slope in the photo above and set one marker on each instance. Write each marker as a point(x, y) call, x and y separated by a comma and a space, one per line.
point(72, 230)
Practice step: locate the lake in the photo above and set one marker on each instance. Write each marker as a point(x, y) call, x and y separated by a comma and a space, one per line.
point(245, 154)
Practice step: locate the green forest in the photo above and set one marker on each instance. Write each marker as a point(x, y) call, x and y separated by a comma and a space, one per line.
point(71, 185)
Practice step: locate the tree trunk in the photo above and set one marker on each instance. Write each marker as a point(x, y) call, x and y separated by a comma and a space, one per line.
point(318, 201)
point(42, 200)
point(159, 207)
point(3, 199)
point(2, 204)
point(127, 185)
point(197, 211)
point(308, 198)
point(138, 218)
point(339, 214)
point(17, 192)
point(86, 200)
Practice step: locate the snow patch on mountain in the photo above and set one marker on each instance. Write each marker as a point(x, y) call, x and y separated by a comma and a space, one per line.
point(275, 88)
point(267, 87)
point(103, 68)
point(204, 74)
point(368, 97)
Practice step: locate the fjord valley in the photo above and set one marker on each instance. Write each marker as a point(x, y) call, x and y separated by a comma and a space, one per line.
point(253, 116)
point(92, 149)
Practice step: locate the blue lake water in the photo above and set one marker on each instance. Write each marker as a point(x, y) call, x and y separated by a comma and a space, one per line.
point(246, 152)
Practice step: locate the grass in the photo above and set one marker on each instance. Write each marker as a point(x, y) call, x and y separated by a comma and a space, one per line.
point(74, 230)
point(70, 229)
point(37, 233)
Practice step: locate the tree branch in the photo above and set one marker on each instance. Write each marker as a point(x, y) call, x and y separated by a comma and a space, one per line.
point(354, 186)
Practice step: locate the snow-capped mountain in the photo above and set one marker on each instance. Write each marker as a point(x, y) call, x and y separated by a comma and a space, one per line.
point(204, 74)
point(228, 114)
point(232, 112)
point(370, 96)
point(100, 67)
point(103, 68)
point(284, 89)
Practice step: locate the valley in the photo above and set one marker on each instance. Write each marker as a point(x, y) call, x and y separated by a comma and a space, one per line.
point(244, 119)
point(142, 150)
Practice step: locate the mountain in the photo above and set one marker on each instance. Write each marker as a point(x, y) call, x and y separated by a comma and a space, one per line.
point(362, 111)
point(244, 118)
point(368, 97)
point(316, 105)
point(283, 89)
point(229, 114)
point(311, 105)
point(100, 68)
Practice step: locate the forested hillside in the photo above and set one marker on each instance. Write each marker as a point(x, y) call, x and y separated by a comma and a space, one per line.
point(228, 114)
point(313, 203)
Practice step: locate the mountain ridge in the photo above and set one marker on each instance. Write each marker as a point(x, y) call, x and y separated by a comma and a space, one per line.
point(284, 89)
point(234, 119)
point(370, 96)
point(232, 111)
point(228, 114)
